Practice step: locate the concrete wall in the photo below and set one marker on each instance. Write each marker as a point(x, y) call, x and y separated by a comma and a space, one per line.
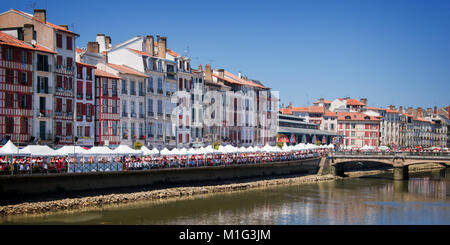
point(54, 183)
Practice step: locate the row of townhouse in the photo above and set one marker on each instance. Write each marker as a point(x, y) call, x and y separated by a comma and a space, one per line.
point(138, 90)
point(359, 124)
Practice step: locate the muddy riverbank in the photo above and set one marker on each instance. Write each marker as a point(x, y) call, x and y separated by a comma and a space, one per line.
point(93, 201)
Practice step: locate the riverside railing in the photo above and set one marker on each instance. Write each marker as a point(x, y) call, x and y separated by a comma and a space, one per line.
point(114, 166)
point(396, 153)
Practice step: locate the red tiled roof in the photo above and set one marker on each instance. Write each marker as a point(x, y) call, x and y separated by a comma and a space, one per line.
point(316, 109)
point(231, 78)
point(324, 101)
point(391, 111)
point(330, 114)
point(171, 52)
point(85, 64)
point(355, 116)
point(421, 119)
point(79, 50)
point(139, 52)
point(60, 28)
point(286, 111)
point(300, 109)
point(12, 41)
point(407, 115)
point(354, 102)
point(375, 108)
point(126, 70)
point(100, 73)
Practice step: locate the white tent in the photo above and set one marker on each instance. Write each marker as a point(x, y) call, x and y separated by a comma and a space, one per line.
point(126, 150)
point(38, 150)
point(148, 152)
point(71, 150)
point(182, 151)
point(99, 150)
point(9, 149)
point(367, 148)
point(165, 152)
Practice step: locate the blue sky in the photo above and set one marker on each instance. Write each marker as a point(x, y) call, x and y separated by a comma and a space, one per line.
point(389, 51)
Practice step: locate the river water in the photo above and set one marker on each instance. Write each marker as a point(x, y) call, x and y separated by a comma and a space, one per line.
point(424, 199)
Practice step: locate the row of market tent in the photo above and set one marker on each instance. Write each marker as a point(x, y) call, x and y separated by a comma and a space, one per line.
point(9, 149)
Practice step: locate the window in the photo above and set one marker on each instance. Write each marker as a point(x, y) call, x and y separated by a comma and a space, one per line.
point(133, 130)
point(9, 54)
point(114, 128)
point(9, 125)
point(150, 84)
point(141, 89)
point(68, 129)
point(124, 130)
point(105, 86)
point(9, 76)
point(58, 128)
point(160, 107)
point(69, 42)
point(114, 87)
point(87, 131)
point(58, 40)
point(69, 64)
point(23, 77)
point(124, 87)
point(42, 85)
point(105, 127)
point(42, 62)
point(133, 109)
point(114, 106)
point(105, 106)
point(23, 57)
point(132, 88)
point(150, 107)
point(124, 108)
point(88, 90)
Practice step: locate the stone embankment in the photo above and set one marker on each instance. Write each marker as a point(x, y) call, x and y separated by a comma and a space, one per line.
point(97, 201)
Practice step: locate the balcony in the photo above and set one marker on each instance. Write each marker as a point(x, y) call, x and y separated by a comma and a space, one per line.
point(79, 117)
point(141, 115)
point(80, 96)
point(69, 114)
point(151, 114)
point(133, 92)
point(133, 114)
point(160, 91)
point(124, 91)
point(44, 90)
point(150, 136)
point(59, 113)
point(88, 96)
point(124, 114)
point(168, 93)
point(168, 116)
point(160, 114)
point(44, 113)
point(171, 75)
point(141, 93)
point(150, 90)
point(88, 118)
point(159, 137)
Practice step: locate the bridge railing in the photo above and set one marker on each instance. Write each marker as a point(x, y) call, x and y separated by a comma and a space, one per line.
point(383, 154)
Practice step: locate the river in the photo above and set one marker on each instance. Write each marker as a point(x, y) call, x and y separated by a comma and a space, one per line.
point(375, 200)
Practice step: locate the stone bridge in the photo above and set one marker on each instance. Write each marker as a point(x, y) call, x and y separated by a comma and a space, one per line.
point(335, 162)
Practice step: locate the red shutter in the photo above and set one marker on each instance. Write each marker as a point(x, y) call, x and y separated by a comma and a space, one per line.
point(59, 60)
point(69, 62)
point(69, 105)
point(70, 85)
point(89, 88)
point(84, 109)
point(58, 104)
point(65, 82)
point(180, 84)
point(87, 131)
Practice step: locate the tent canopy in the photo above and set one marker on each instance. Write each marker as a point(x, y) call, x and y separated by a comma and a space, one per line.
point(38, 150)
point(126, 150)
point(99, 150)
point(9, 149)
point(71, 150)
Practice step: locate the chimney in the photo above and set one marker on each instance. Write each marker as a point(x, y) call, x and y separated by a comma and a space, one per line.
point(200, 68)
point(239, 74)
point(162, 45)
point(28, 30)
point(419, 112)
point(221, 73)
point(40, 14)
point(208, 73)
point(92, 47)
point(290, 105)
point(391, 107)
point(65, 27)
point(435, 110)
point(101, 40)
point(364, 101)
point(157, 37)
point(429, 111)
point(108, 42)
point(400, 109)
point(149, 45)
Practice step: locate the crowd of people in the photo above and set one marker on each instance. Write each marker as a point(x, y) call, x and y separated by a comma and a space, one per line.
point(32, 165)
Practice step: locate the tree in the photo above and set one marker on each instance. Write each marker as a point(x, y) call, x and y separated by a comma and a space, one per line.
point(137, 145)
point(318, 142)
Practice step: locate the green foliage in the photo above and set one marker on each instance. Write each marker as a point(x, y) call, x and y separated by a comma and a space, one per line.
point(318, 142)
point(280, 144)
point(137, 145)
point(216, 145)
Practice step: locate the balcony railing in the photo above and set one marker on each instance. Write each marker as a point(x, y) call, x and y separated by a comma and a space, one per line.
point(141, 115)
point(141, 93)
point(150, 90)
point(48, 90)
point(160, 91)
point(79, 117)
point(124, 114)
point(133, 114)
point(44, 114)
point(150, 113)
point(88, 96)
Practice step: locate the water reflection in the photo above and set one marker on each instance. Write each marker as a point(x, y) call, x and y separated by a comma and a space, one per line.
point(423, 199)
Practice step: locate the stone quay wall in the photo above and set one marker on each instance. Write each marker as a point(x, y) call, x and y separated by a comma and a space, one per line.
point(60, 183)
